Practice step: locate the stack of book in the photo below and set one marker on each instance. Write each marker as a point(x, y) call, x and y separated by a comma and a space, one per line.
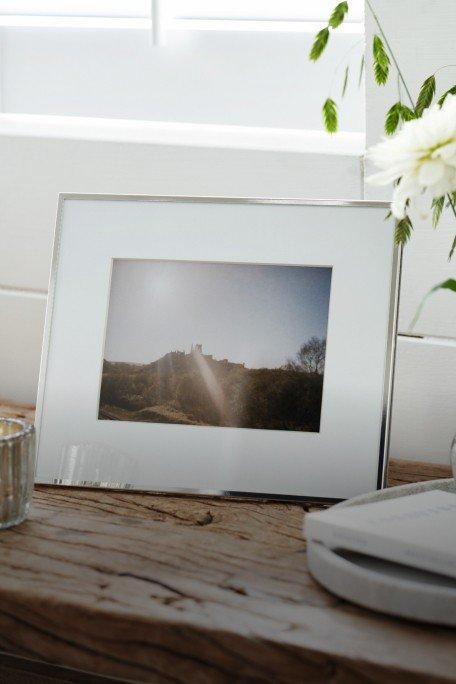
point(417, 531)
point(396, 555)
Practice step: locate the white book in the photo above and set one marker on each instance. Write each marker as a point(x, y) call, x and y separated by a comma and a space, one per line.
point(417, 530)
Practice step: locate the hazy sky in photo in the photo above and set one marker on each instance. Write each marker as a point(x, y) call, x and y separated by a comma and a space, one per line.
point(256, 314)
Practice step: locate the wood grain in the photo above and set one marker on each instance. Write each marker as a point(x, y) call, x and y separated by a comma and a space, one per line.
point(175, 589)
point(25, 411)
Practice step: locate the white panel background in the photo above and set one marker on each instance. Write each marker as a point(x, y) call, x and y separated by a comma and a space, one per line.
point(424, 406)
point(38, 168)
point(243, 78)
point(21, 331)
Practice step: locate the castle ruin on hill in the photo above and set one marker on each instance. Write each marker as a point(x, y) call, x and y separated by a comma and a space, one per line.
point(196, 349)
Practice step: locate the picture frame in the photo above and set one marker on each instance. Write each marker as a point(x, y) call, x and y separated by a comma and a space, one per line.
point(236, 347)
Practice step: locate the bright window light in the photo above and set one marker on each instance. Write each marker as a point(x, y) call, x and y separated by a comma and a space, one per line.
point(77, 8)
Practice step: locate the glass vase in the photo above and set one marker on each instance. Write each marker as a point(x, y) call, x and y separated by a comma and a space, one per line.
point(17, 470)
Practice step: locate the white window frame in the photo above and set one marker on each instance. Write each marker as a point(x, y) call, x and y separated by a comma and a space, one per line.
point(164, 15)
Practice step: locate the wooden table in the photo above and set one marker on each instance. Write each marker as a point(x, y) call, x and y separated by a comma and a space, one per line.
point(179, 589)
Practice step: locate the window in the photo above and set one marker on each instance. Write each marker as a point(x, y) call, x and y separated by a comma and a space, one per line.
point(224, 62)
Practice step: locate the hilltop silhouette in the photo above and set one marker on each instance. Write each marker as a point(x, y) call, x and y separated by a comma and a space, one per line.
point(196, 389)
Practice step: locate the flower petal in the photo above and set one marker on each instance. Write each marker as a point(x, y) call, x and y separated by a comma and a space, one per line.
point(431, 172)
point(446, 152)
point(406, 188)
point(422, 155)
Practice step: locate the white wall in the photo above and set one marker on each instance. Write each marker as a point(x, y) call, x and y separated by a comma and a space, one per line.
point(424, 406)
point(21, 331)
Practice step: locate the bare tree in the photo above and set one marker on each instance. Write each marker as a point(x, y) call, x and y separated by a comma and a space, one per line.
point(310, 357)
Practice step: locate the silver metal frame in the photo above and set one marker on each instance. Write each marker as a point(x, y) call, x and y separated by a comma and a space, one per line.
point(390, 349)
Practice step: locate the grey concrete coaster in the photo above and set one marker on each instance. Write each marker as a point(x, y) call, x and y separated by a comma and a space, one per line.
point(383, 586)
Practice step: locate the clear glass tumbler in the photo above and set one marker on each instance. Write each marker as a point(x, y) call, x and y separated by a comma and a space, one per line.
point(453, 457)
point(17, 470)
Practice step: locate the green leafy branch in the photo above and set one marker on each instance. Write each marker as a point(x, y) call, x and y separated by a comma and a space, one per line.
point(382, 57)
point(319, 44)
point(398, 114)
point(381, 61)
point(425, 96)
point(403, 231)
point(321, 39)
point(330, 115)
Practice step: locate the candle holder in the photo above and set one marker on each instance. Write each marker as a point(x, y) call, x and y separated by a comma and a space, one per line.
point(453, 457)
point(17, 470)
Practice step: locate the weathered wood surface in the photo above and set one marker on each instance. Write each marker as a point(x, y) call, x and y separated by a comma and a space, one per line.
point(173, 589)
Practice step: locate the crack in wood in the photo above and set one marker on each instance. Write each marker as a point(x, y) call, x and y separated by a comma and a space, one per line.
point(157, 582)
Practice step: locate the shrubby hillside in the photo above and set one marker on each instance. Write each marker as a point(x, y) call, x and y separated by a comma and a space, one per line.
point(195, 389)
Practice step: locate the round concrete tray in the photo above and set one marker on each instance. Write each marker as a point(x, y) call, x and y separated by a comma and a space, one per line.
point(383, 586)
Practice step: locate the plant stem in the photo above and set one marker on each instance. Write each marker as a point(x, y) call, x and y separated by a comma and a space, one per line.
point(344, 57)
point(445, 66)
point(382, 33)
point(399, 92)
point(450, 200)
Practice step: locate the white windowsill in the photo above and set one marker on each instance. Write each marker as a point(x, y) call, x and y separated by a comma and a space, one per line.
point(144, 23)
point(189, 134)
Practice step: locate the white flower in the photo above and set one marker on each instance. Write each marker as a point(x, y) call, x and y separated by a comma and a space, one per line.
point(421, 158)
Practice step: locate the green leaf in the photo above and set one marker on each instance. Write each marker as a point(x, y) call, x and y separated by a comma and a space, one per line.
point(381, 74)
point(398, 112)
point(452, 203)
point(403, 231)
point(330, 115)
point(426, 95)
point(361, 70)
point(437, 208)
point(319, 44)
point(453, 247)
point(450, 91)
point(407, 114)
point(449, 284)
point(345, 83)
point(392, 118)
point(381, 61)
point(338, 14)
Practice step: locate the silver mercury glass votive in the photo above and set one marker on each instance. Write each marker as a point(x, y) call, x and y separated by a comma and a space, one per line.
point(17, 470)
point(453, 457)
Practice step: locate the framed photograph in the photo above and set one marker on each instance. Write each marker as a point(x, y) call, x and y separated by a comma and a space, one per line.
point(217, 345)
